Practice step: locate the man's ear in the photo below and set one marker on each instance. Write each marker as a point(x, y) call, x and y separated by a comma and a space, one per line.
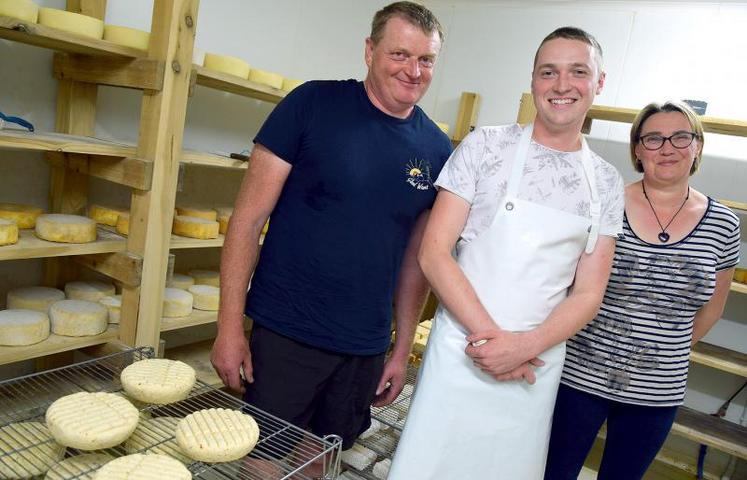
point(368, 54)
point(600, 82)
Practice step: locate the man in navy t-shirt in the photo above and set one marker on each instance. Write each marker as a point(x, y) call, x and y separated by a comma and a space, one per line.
point(346, 170)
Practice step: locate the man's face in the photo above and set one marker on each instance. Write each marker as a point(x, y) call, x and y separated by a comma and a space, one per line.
point(565, 80)
point(400, 66)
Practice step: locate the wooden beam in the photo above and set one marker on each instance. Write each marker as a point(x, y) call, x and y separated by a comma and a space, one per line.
point(527, 112)
point(131, 172)
point(719, 358)
point(723, 435)
point(237, 85)
point(139, 73)
point(123, 266)
point(115, 346)
point(469, 106)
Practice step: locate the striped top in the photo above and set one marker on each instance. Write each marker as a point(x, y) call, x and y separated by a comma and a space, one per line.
point(637, 349)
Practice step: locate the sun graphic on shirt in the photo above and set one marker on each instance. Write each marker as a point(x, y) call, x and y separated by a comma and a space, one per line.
point(418, 174)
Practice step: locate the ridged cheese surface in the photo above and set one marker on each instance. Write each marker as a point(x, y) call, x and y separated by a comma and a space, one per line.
point(205, 277)
point(25, 10)
point(194, 227)
point(8, 232)
point(270, 79)
point(105, 215)
point(23, 215)
point(181, 281)
point(176, 302)
point(217, 435)
point(127, 37)
point(206, 213)
point(113, 304)
point(226, 64)
point(57, 227)
point(23, 327)
point(34, 298)
point(30, 450)
point(158, 380)
point(143, 467)
point(71, 22)
point(78, 318)
point(206, 297)
point(156, 435)
point(92, 290)
point(91, 421)
point(79, 467)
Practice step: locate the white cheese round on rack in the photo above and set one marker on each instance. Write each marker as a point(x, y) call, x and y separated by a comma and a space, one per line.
point(195, 227)
point(23, 327)
point(176, 302)
point(79, 467)
point(156, 435)
point(127, 37)
point(8, 232)
point(25, 10)
point(206, 297)
point(181, 281)
point(30, 448)
point(205, 277)
point(78, 318)
point(23, 215)
point(113, 304)
point(139, 466)
point(58, 227)
point(71, 22)
point(89, 290)
point(226, 64)
point(217, 435)
point(158, 380)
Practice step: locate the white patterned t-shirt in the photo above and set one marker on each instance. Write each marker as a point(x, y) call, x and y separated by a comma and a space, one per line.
point(479, 169)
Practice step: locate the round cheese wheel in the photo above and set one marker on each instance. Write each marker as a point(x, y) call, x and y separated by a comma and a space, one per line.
point(141, 467)
point(176, 303)
point(206, 297)
point(194, 227)
point(158, 380)
point(123, 224)
point(91, 291)
point(290, 83)
point(179, 280)
point(105, 215)
point(274, 80)
point(127, 37)
point(30, 448)
point(206, 213)
point(80, 467)
point(25, 10)
point(34, 298)
point(57, 227)
point(223, 220)
point(205, 277)
point(23, 215)
point(8, 232)
point(217, 435)
point(78, 318)
point(156, 435)
point(113, 304)
point(226, 64)
point(71, 22)
point(23, 327)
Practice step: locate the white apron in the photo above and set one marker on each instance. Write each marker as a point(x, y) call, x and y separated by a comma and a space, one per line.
point(462, 423)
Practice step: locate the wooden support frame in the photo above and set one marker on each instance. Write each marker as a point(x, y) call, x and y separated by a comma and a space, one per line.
point(469, 107)
point(131, 172)
point(138, 73)
point(125, 267)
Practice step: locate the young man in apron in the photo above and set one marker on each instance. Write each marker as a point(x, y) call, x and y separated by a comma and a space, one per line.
point(534, 215)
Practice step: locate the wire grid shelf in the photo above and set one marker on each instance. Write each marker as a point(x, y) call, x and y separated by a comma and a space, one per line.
point(282, 452)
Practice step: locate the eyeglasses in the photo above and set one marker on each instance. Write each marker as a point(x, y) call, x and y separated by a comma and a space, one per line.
point(654, 141)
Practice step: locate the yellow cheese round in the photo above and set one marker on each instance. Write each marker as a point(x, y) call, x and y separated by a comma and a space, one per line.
point(194, 227)
point(176, 302)
point(205, 277)
point(158, 380)
point(156, 435)
point(290, 83)
point(105, 215)
point(34, 298)
point(223, 219)
point(206, 297)
point(57, 227)
point(71, 22)
point(8, 232)
point(443, 126)
point(31, 448)
point(24, 215)
point(127, 37)
point(206, 213)
point(270, 79)
point(123, 224)
point(139, 466)
point(91, 291)
point(226, 64)
point(113, 304)
point(23, 327)
point(181, 281)
point(217, 434)
point(79, 467)
point(25, 10)
point(740, 275)
point(78, 318)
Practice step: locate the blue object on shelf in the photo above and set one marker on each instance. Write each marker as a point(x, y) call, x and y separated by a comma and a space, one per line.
point(16, 120)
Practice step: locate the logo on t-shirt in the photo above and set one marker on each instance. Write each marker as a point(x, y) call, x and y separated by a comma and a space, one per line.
point(418, 174)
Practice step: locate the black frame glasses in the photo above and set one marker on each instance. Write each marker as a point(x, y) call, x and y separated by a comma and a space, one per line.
point(654, 141)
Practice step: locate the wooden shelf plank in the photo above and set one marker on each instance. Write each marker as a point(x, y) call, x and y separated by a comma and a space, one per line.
point(725, 436)
point(53, 39)
point(239, 86)
point(738, 287)
point(29, 246)
point(191, 157)
point(735, 205)
point(55, 344)
point(198, 317)
point(178, 242)
point(719, 358)
point(58, 142)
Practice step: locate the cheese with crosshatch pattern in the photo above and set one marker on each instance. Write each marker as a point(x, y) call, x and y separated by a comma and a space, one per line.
point(217, 435)
point(158, 380)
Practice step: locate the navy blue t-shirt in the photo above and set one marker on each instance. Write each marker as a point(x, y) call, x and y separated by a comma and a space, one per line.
point(360, 178)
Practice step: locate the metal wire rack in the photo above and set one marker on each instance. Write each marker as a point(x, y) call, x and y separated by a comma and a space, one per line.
point(282, 452)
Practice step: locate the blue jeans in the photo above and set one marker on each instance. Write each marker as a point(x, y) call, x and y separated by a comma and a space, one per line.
point(635, 434)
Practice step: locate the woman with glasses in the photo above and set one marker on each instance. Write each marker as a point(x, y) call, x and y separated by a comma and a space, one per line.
point(670, 278)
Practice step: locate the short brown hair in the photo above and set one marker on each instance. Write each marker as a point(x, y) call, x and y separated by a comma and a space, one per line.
point(654, 108)
point(573, 33)
point(412, 12)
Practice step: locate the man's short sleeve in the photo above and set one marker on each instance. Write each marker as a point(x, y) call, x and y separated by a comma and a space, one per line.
point(460, 173)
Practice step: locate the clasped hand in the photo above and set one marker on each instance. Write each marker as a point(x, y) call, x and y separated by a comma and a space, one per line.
point(502, 354)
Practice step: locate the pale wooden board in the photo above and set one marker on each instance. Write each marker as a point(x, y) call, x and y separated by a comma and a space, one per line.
point(191, 157)
point(198, 317)
point(715, 432)
point(55, 344)
point(179, 242)
point(29, 246)
point(58, 142)
point(735, 205)
point(237, 85)
point(738, 287)
point(720, 358)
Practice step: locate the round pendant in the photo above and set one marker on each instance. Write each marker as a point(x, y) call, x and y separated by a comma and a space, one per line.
point(663, 237)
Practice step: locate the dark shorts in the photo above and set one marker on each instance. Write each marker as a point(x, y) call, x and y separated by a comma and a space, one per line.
point(317, 390)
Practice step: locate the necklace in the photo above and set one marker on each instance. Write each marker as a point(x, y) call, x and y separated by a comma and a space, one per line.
point(663, 235)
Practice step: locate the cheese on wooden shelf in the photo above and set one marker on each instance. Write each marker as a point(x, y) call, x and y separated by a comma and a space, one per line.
point(71, 22)
point(113, 304)
point(23, 215)
point(78, 318)
point(23, 327)
point(206, 213)
point(176, 302)
point(105, 215)
point(194, 227)
point(226, 64)
point(127, 37)
point(223, 219)
point(123, 224)
point(34, 298)
point(8, 232)
point(206, 297)
point(205, 277)
point(179, 280)
point(91, 291)
point(25, 10)
point(57, 227)
point(290, 83)
point(270, 79)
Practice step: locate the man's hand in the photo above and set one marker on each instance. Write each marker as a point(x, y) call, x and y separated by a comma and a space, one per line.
point(497, 351)
point(229, 356)
point(391, 383)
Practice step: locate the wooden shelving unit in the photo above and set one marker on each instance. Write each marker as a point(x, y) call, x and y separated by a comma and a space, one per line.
point(198, 317)
point(719, 358)
point(30, 246)
point(55, 344)
point(708, 430)
point(211, 160)
point(236, 85)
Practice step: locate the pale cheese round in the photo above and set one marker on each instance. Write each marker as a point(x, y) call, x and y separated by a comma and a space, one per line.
point(217, 435)
point(194, 227)
point(205, 277)
point(8, 232)
point(206, 297)
point(223, 219)
point(91, 421)
point(226, 64)
point(158, 380)
point(176, 302)
point(113, 304)
point(25, 10)
point(181, 281)
point(79, 467)
point(71, 22)
point(290, 83)
point(78, 318)
point(105, 215)
point(57, 227)
point(34, 298)
point(206, 213)
point(123, 224)
point(127, 37)
point(143, 467)
point(31, 450)
point(91, 291)
point(156, 435)
point(23, 327)
point(23, 215)
point(271, 79)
